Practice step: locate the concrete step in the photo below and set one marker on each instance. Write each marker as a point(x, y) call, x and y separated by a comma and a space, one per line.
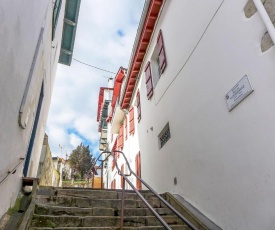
point(80, 202)
point(174, 227)
point(99, 221)
point(96, 211)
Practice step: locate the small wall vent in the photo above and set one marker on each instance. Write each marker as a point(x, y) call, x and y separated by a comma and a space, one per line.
point(164, 135)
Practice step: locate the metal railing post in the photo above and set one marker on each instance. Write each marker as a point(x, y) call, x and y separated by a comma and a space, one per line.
point(122, 204)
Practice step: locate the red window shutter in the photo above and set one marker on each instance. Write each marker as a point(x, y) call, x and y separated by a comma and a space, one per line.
point(132, 120)
point(126, 127)
point(138, 106)
point(161, 56)
point(122, 170)
point(121, 137)
point(138, 171)
point(148, 79)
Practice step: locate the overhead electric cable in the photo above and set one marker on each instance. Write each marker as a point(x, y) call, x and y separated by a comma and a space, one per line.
point(93, 66)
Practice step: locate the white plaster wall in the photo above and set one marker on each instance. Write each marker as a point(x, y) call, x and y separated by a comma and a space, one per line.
point(224, 161)
point(20, 24)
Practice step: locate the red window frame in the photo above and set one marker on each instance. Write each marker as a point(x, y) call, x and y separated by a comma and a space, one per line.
point(138, 106)
point(132, 120)
point(148, 79)
point(161, 54)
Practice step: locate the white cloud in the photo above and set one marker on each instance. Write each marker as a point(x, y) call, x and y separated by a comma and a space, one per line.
point(75, 140)
point(72, 117)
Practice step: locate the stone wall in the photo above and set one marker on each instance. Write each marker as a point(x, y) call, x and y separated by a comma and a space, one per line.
point(49, 175)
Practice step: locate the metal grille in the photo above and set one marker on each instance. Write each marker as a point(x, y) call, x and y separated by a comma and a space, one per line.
point(164, 136)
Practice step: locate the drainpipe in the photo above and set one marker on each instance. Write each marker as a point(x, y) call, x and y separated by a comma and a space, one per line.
point(266, 19)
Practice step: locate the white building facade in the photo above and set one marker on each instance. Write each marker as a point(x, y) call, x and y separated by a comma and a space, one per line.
point(202, 75)
point(31, 37)
point(120, 134)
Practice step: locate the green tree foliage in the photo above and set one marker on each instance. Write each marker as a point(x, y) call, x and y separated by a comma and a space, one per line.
point(81, 160)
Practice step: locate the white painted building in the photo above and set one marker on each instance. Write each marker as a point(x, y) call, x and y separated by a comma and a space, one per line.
point(188, 56)
point(119, 132)
point(32, 33)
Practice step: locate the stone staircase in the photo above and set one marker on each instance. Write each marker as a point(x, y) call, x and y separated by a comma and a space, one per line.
point(78, 208)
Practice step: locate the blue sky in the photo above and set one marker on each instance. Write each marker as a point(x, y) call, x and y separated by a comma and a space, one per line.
point(105, 36)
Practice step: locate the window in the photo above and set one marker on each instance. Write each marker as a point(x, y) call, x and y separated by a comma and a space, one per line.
point(138, 106)
point(156, 66)
point(56, 11)
point(164, 135)
point(138, 171)
point(132, 120)
point(161, 53)
point(148, 79)
point(126, 127)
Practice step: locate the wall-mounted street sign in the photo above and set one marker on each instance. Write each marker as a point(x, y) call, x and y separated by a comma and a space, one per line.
point(239, 92)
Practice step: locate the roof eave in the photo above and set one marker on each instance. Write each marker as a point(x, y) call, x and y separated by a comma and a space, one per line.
point(146, 27)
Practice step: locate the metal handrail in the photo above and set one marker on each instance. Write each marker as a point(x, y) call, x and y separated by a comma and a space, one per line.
point(188, 223)
point(10, 172)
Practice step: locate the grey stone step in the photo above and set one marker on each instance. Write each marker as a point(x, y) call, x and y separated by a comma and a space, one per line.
point(96, 211)
point(89, 203)
point(92, 193)
point(99, 221)
point(174, 227)
point(144, 212)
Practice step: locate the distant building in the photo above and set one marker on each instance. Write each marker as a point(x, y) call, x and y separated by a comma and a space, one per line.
point(34, 37)
point(59, 165)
